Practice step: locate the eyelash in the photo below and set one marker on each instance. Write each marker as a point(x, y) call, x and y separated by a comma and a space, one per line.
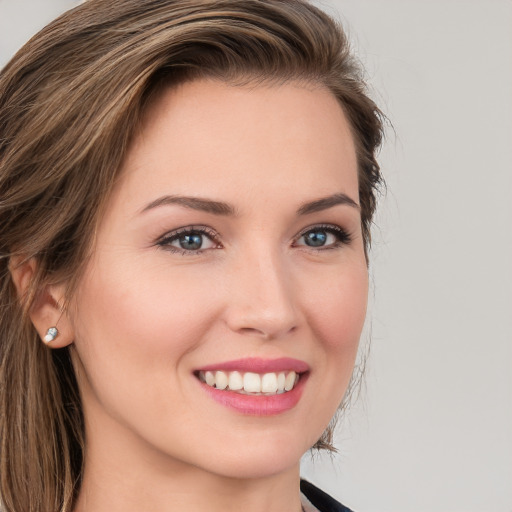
point(168, 238)
point(343, 237)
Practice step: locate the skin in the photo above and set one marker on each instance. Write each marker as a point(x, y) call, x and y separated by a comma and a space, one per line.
point(145, 317)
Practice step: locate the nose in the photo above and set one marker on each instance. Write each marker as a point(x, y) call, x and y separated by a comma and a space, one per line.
point(262, 299)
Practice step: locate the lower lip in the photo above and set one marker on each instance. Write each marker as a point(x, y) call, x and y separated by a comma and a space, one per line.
point(258, 405)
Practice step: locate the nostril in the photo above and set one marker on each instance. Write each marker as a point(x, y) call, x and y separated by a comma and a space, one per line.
point(255, 332)
point(267, 333)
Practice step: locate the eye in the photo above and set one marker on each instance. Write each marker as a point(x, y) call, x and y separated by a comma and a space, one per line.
point(324, 237)
point(190, 240)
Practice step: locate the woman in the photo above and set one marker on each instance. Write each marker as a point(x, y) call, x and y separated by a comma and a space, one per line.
point(186, 194)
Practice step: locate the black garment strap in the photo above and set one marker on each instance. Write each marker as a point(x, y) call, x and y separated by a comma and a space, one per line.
point(321, 500)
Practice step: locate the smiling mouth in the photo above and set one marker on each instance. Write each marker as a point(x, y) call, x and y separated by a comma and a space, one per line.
point(250, 383)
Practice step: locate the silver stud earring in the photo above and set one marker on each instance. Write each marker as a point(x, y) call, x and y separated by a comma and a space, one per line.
point(51, 334)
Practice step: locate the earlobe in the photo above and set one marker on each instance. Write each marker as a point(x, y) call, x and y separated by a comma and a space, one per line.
point(46, 312)
point(51, 321)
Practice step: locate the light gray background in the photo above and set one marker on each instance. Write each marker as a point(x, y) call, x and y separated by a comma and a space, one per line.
point(432, 430)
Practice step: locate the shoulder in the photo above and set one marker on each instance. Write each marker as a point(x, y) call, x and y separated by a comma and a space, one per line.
point(321, 500)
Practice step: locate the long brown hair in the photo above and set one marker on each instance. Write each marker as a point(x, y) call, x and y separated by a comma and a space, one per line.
point(70, 101)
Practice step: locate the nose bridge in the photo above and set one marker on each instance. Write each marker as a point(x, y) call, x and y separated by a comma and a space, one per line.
point(264, 300)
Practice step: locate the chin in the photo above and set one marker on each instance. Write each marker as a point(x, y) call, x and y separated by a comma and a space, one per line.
point(255, 460)
point(257, 467)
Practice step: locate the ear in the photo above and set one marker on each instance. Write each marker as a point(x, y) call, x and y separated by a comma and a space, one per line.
point(46, 311)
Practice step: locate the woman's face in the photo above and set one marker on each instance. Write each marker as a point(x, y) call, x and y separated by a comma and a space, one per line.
point(231, 253)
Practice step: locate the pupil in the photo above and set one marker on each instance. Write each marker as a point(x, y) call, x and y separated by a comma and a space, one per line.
point(316, 238)
point(191, 241)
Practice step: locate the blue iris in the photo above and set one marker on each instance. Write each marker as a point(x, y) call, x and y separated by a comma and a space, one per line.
point(191, 241)
point(315, 238)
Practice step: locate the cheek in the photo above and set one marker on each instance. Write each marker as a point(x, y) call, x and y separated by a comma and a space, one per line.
point(337, 311)
point(147, 320)
point(336, 315)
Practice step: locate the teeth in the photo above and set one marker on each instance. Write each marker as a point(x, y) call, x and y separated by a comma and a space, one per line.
point(236, 381)
point(252, 383)
point(281, 379)
point(289, 382)
point(209, 378)
point(267, 383)
point(221, 380)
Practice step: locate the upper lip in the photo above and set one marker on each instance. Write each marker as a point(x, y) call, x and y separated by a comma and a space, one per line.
point(259, 365)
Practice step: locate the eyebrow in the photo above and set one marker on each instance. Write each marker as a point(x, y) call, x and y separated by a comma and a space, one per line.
point(326, 202)
point(195, 203)
point(221, 208)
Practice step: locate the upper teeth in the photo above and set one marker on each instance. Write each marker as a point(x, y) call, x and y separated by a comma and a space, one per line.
point(250, 382)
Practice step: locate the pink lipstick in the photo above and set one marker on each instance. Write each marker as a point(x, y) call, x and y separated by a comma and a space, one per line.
point(259, 365)
point(255, 386)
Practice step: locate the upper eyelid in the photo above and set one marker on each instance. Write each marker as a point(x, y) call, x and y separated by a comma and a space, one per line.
point(326, 226)
point(204, 230)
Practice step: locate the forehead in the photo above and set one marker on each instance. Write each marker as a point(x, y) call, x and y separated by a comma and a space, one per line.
point(213, 139)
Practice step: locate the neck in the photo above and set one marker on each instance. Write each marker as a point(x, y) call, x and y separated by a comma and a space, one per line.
point(138, 489)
